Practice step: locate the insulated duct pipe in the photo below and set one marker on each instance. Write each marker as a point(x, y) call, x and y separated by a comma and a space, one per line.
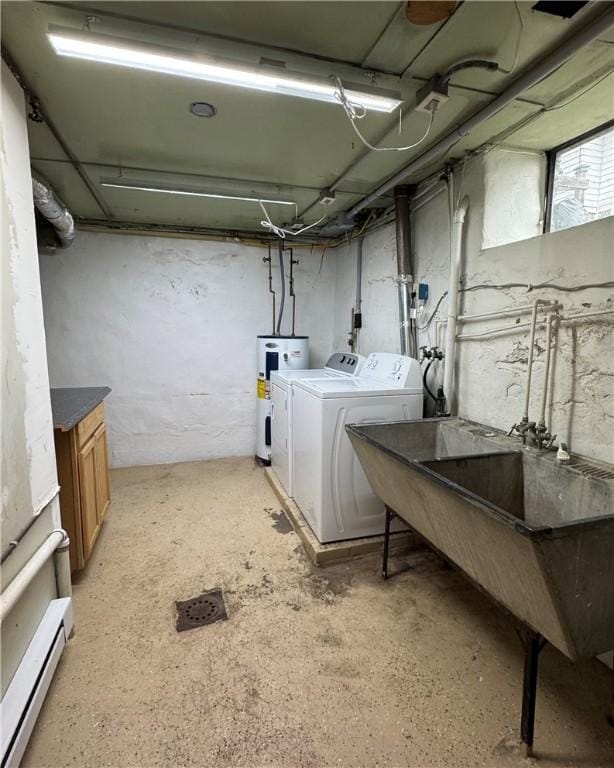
point(542, 69)
point(404, 267)
point(453, 291)
point(56, 214)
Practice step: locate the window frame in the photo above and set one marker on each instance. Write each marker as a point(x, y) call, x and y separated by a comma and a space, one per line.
point(551, 165)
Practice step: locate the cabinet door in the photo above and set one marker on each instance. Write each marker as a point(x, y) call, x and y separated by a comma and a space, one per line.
point(101, 455)
point(88, 491)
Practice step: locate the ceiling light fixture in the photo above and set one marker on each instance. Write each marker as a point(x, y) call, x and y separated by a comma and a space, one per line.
point(124, 53)
point(189, 192)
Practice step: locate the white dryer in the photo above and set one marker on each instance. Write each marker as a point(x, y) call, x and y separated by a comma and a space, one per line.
point(338, 365)
point(330, 486)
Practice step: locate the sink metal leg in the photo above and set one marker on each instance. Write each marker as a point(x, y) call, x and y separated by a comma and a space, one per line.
point(610, 714)
point(389, 515)
point(533, 644)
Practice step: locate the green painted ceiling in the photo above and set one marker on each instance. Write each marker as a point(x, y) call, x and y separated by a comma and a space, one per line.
point(137, 125)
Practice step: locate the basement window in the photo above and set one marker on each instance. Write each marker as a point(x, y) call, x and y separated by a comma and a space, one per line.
point(581, 180)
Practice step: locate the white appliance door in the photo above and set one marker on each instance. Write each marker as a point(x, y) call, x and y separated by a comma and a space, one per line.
point(279, 434)
point(350, 509)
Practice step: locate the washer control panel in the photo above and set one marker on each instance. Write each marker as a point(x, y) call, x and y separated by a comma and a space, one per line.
point(345, 362)
point(393, 369)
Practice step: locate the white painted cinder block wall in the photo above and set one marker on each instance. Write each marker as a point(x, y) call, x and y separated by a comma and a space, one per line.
point(28, 471)
point(505, 191)
point(170, 325)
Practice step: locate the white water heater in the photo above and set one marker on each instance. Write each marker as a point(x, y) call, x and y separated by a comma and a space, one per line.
point(275, 353)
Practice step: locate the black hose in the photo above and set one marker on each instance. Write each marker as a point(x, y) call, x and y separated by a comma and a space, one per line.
point(282, 277)
point(426, 386)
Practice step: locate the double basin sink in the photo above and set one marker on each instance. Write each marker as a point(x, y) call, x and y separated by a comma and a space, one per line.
point(535, 533)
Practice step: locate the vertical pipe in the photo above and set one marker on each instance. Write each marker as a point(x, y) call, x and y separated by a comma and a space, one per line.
point(453, 293)
point(542, 410)
point(404, 314)
point(357, 312)
point(527, 394)
point(271, 289)
point(282, 277)
point(292, 294)
point(61, 563)
point(358, 302)
point(404, 267)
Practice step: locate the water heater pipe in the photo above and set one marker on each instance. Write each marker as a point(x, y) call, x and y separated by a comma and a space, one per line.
point(293, 261)
point(269, 260)
point(282, 278)
point(453, 293)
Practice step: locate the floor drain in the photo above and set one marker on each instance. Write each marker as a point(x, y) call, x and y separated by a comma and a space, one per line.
point(200, 611)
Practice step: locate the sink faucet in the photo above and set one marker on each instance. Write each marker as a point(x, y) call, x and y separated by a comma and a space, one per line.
point(535, 435)
point(522, 428)
point(541, 437)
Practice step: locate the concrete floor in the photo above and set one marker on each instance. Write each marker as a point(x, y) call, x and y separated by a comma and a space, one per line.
point(315, 667)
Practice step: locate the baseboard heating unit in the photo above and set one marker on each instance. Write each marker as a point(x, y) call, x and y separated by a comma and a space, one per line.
point(25, 695)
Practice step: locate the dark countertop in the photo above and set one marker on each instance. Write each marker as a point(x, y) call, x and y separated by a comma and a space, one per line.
point(70, 405)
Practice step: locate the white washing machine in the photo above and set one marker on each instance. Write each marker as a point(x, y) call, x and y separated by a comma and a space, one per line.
point(339, 364)
point(274, 353)
point(330, 486)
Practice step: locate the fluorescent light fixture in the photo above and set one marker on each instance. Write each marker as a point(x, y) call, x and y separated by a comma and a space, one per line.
point(190, 192)
point(124, 53)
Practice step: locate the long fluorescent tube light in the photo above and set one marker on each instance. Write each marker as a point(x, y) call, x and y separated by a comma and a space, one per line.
point(192, 193)
point(135, 55)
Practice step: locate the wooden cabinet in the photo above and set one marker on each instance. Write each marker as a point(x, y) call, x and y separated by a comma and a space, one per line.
point(83, 473)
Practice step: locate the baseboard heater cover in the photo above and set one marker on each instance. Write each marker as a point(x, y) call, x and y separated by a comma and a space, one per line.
point(27, 690)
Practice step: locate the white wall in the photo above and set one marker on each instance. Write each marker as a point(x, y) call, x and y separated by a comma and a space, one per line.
point(505, 190)
point(170, 325)
point(28, 472)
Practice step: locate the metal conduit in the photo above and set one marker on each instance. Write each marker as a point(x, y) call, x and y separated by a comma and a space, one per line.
point(542, 69)
point(402, 195)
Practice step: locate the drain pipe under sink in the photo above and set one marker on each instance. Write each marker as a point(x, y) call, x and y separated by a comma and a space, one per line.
point(456, 236)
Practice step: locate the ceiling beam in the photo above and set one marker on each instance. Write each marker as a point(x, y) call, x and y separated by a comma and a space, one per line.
point(271, 185)
point(72, 158)
point(539, 70)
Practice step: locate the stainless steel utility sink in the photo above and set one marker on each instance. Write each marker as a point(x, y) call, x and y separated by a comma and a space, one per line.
point(535, 534)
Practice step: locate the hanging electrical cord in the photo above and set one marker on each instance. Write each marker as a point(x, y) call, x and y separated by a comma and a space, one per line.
point(518, 39)
point(280, 231)
point(356, 112)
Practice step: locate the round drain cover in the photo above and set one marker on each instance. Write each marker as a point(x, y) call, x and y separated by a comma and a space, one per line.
point(201, 609)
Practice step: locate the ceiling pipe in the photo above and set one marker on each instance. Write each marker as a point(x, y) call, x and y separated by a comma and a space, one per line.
point(542, 69)
point(56, 214)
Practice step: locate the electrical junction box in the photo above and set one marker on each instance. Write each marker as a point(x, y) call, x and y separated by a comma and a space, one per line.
point(327, 197)
point(423, 291)
point(432, 95)
point(431, 102)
